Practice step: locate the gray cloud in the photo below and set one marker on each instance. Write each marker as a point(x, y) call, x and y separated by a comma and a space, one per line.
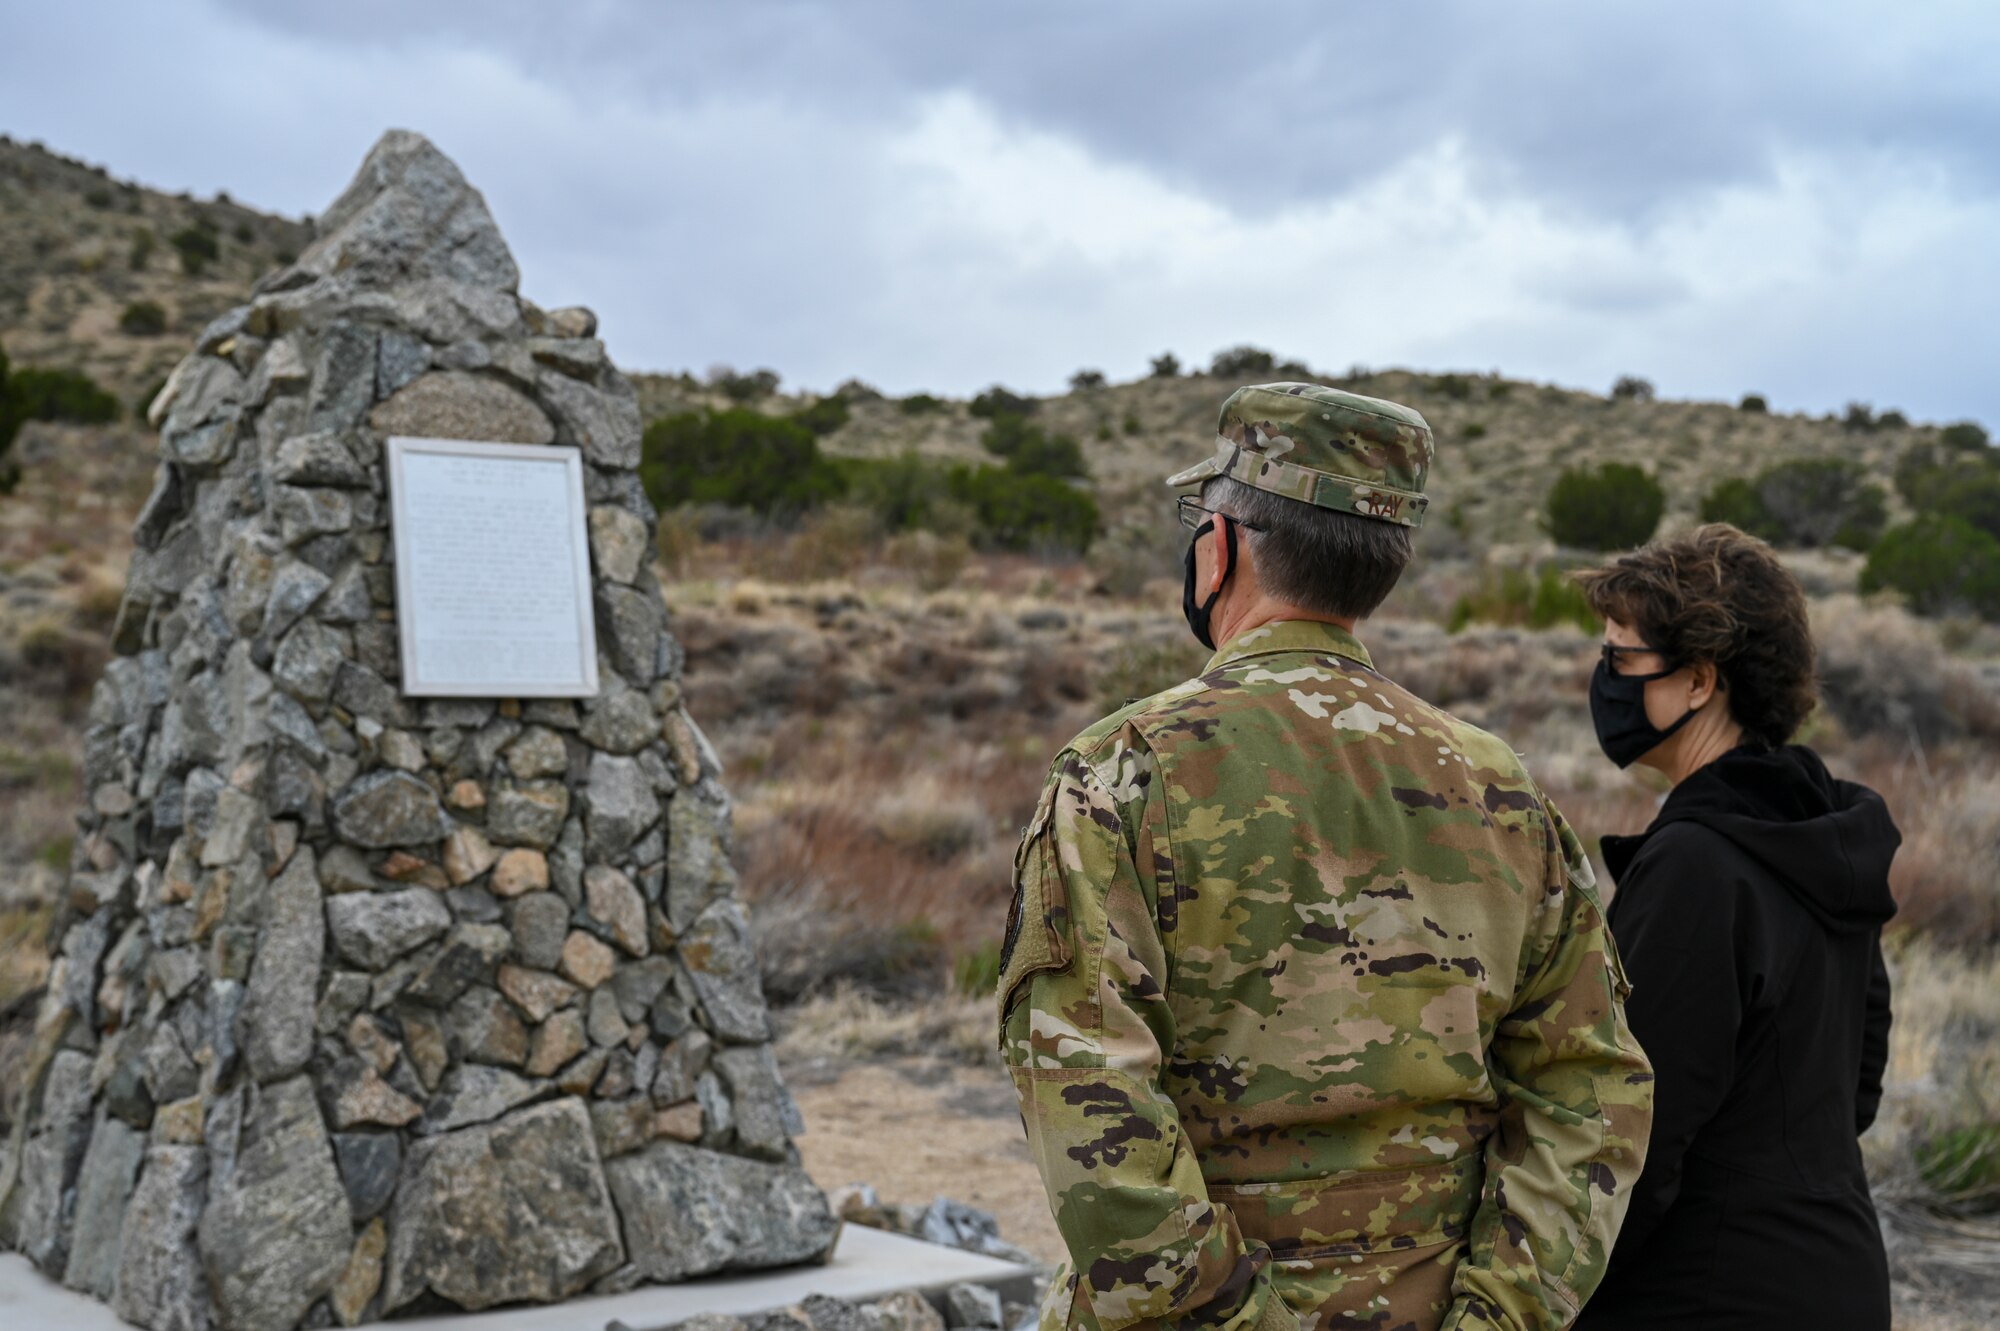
point(1787, 197)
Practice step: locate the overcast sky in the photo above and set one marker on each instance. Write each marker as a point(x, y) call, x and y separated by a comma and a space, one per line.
point(1801, 199)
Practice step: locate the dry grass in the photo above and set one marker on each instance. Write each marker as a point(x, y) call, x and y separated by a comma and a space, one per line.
point(850, 1024)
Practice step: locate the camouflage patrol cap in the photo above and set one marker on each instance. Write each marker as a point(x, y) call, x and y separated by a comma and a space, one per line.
point(1338, 450)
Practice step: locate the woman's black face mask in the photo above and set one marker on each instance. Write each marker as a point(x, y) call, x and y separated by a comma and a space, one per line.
point(1618, 711)
point(1197, 613)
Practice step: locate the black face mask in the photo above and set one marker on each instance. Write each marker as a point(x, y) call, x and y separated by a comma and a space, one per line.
point(1197, 615)
point(1618, 710)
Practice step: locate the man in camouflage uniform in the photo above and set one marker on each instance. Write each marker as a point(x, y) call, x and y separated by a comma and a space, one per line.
point(1306, 989)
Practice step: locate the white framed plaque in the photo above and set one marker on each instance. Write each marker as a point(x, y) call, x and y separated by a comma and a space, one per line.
point(492, 570)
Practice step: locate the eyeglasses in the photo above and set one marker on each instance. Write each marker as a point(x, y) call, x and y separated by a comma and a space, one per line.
point(1191, 515)
point(1610, 654)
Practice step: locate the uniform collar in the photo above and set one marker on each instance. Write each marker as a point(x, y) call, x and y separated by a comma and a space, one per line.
point(1291, 635)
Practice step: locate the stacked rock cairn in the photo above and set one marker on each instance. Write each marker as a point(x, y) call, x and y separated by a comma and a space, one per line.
point(363, 1003)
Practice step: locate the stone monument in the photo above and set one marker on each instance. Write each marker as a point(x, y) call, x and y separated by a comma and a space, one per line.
point(362, 1002)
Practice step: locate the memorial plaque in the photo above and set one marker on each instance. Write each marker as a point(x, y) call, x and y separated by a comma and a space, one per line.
point(492, 570)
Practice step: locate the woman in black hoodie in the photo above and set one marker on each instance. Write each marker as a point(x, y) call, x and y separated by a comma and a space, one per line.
point(1749, 916)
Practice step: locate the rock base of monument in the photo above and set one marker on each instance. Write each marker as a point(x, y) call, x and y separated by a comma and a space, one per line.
point(867, 1264)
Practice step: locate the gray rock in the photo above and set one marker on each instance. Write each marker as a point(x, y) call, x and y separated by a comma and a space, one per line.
point(277, 1231)
point(318, 459)
point(382, 809)
point(540, 924)
point(629, 621)
point(347, 601)
point(698, 868)
point(603, 422)
point(476, 1229)
point(364, 692)
point(294, 588)
point(279, 1009)
point(372, 929)
point(343, 378)
point(399, 359)
point(622, 720)
point(369, 1164)
point(970, 1307)
point(619, 805)
point(104, 1187)
point(718, 962)
point(766, 1116)
point(409, 215)
point(529, 814)
point(468, 956)
point(50, 1162)
point(454, 404)
point(618, 542)
point(160, 1283)
point(537, 752)
point(484, 1029)
point(474, 1093)
point(343, 869)
point(304, 513)
point(615, 903)
point(690, 1211)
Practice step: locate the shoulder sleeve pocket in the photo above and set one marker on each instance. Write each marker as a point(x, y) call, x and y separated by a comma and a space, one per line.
point(1038, 923)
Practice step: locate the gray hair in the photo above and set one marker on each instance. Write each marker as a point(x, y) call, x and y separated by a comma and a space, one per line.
point(1317, 558)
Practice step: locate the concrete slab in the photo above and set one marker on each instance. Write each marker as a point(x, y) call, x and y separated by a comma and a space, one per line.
point(866, 1263)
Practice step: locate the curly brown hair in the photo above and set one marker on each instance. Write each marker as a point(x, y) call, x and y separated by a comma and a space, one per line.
point(1719, 595)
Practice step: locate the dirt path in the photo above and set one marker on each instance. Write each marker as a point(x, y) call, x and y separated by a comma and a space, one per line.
point(917, 1130)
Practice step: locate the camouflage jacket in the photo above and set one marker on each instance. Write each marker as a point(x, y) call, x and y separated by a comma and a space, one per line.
point(1309, 1002)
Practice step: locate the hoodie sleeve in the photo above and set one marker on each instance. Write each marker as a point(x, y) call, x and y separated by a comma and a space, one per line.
point(1874, 1044)
point(1675, 921)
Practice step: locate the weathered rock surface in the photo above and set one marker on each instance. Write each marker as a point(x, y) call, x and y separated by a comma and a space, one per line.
point(690, 1211)
point(373, 929)
point(278, 1013)
point(277, 1228)
point(473, 1225)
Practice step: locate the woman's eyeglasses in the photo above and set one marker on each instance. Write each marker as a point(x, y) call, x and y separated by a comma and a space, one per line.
point(1611, 652)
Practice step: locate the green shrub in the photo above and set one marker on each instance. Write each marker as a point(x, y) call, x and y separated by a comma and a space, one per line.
point(1510, 597)
point(1860, 418)
point(903, 492)
point(1753, 402)
point(1131, 424)
point(1892, 419)
point(143, 245)
point(739, 457)
point(1019, 510)
point(1610, 507)
point(741, 388)
point(997, 401)
point(1737, 502)
point(920, 404)
point(1085, 380)
point(1104, 435)
point(1964, 437)
point(243, 233)
point(1943, 565)
point(1031, 450)
point(1631, 388)
point(1473, 430)
point(824, 416)
point(198, 248)
point(1457, 387)
point(1814, 502)
point(1974, 498)
point(1242, 362)
point(1166, 365)
point(99, 197)
point(143, 318)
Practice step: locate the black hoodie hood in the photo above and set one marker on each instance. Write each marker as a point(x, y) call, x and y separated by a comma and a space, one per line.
point(1829, 842)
